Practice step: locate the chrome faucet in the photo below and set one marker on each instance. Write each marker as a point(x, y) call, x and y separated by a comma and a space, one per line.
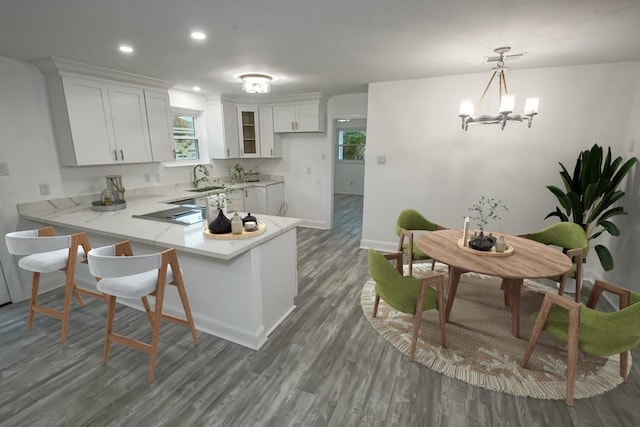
point(205, 172)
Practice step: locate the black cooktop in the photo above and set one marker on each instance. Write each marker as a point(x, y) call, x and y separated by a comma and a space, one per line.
point(184, 214)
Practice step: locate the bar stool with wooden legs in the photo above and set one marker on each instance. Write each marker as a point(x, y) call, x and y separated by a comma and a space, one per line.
point(122, 274)
point(45, 253)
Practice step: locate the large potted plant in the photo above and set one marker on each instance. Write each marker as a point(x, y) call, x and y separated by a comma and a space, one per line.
point(590, 194)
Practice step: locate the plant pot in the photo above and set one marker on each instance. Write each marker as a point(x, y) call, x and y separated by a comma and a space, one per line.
point(481, 243)
point(221, 224)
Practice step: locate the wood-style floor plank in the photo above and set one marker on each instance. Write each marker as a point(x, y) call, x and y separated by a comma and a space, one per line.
point(324, 366)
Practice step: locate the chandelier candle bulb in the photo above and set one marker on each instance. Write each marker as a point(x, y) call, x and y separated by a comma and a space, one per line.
point(466, 108)
point(506, 103)
point(531, 106)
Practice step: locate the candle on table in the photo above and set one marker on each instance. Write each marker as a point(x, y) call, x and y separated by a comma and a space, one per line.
point(465, 231)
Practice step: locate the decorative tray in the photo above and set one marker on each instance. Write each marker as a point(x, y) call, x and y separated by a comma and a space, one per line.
point(99, 207)
point(492, 252)
point(261, 228)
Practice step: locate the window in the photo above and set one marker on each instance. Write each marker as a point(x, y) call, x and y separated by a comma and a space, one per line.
point(351, 144)
point(184, 137)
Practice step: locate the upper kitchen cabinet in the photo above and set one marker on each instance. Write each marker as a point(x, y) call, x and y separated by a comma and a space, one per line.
point(159, 119)
point(103, 116)
point(270, 143)
point(301, 116)
point(249, 131)
point(222, 127)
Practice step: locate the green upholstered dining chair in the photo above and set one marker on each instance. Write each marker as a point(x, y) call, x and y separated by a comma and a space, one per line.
point(572, 238)
point(408, 221)
point(591, 331)
point(407, 294)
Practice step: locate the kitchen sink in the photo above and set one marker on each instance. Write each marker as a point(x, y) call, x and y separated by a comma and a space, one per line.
point(203, 189)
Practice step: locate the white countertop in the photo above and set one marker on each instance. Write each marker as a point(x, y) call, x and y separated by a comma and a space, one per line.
point(75, 213)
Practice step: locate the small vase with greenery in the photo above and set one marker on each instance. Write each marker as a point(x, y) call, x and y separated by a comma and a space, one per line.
point(484, 211)
point(590, 194)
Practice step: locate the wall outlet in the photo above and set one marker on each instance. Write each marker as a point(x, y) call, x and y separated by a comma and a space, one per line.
point(158, 179)
point(44, 190)
point(147, 178)
point(4, 168)
point(308, 171)
point(323, 156)
point(382, 160)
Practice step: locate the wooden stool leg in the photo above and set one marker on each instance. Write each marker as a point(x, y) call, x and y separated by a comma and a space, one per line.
point(156, 328)
point(69, 287)
point(179, 282)
point(111, 311)
point(35, 282)
point(147, 309)
point(375, 305)
point(76, 292)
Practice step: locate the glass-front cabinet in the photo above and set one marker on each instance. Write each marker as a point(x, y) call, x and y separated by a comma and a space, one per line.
point(249, 131)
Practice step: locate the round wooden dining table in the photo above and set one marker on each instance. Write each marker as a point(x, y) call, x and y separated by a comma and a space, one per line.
point(529, 260)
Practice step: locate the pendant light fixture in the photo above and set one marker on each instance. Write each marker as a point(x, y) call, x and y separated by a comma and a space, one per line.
point(507, 101)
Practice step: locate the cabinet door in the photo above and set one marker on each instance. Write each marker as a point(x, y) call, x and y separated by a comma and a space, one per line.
point(284, 118)
point(255, 200)
point(87, 104)
point(249, 131)
point(270, 143)
point(130, 129)
point(235, 201)
point(274, 198)
point(159, 120)
point(307, 118)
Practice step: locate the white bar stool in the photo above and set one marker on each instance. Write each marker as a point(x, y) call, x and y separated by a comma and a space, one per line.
point(45, 253)
point(122, 274)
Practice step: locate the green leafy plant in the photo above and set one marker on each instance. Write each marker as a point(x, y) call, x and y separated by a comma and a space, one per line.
point(485, 210)
point(236, 173)
point(590, 194)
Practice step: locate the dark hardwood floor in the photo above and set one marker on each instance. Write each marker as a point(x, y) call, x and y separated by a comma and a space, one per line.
point(324, 366)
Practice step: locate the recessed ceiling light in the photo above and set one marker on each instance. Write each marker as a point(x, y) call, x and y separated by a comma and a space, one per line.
point(198, 35)
point(125, 48)
point(196, 88)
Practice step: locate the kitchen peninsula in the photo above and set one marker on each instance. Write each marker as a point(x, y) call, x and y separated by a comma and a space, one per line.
point(239, 290)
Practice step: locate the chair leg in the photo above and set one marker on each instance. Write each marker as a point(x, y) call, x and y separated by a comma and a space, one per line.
point(35, 282)
point(375, 305)
point(69, 288)
point(572, 353)
point(417, 320)
point(543, 314)
point(111, 311)
point(155, 334)
point(624, 365)
point(147, 309)
point(76, 292)
point(185, 303)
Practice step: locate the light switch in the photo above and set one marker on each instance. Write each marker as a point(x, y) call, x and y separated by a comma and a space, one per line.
point(382, 160)
point(4, 168)
point(44, 190)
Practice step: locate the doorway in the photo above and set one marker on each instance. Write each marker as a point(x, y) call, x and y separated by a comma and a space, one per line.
point(4, 289)
point(350, 138)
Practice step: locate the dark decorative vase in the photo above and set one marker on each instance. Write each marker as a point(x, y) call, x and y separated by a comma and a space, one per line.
point(481, 243)
point(221, 224)
point(249, 217)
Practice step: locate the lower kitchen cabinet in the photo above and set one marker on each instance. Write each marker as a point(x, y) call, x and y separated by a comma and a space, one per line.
point(264, 200)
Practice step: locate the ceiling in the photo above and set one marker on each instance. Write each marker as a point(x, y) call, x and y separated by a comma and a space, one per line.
point(329, 46)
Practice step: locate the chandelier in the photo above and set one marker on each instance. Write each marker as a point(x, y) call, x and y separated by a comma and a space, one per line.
point(256, 83)
point(507, 101)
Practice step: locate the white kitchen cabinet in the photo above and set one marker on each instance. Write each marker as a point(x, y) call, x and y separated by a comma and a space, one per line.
point(222, 126)
point(303, 117)
point(249, 131)
point(264, 200)
point(270, 143)
point(130, 126)
point(235, 201)
point(100, 116)
point(160, 129)
point(82, 122)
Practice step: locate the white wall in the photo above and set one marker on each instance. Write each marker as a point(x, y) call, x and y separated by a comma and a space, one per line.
point(434, 166)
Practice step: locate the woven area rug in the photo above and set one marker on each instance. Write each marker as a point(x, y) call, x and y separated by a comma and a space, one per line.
point(480, 348)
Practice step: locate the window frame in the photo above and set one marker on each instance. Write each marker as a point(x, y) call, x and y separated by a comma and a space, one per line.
point(346, 128)
point(198, 124)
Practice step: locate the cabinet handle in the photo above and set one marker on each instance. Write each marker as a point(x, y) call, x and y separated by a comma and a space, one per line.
point(174, 154)
point(121, 155)
point(272, 152)
point(115, 155)
point(246, 194)
point(227, 152)
point(292, 125)
point(241, 152)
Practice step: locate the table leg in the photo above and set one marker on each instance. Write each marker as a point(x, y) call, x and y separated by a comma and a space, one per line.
point(513, 288)
point(454, 280)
